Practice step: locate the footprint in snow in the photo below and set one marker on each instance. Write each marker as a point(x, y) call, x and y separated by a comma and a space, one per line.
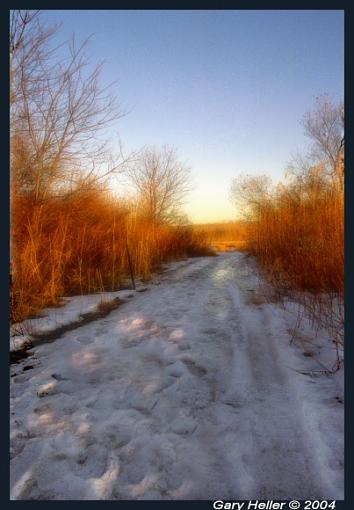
point(101, 331)
point(84, 339)
point(194, 368)
point(183, 426)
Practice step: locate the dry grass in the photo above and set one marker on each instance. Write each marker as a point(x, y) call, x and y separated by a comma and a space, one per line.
point(225, 236)
point(79, 244)
point(68, 235)
point(105, 307)
point(297, 235)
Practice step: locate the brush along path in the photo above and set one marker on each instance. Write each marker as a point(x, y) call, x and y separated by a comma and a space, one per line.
point(189, 391)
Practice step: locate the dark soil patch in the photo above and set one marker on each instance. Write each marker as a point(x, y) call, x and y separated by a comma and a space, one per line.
point(19, 355)
point(103, 309)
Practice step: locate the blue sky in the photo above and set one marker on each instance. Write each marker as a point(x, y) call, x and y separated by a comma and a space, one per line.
point(228, 89)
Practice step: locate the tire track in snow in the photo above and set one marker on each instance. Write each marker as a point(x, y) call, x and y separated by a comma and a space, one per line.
point(186, 392)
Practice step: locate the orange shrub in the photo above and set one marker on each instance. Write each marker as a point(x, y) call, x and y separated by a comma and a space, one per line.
point(298, 236)
point(78, 244)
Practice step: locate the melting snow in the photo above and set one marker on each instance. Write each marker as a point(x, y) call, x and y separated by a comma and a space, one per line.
point(187, 391)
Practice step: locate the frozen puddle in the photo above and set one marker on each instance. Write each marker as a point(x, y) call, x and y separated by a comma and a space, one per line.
point(188, 391)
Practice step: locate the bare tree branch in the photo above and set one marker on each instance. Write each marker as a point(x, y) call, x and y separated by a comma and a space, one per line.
point(161, 182)
point(58, 109)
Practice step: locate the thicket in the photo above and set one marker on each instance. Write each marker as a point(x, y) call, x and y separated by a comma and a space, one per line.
point(69, 233)
point(296, 229)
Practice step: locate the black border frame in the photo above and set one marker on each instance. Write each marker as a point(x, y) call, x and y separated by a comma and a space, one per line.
point(5, 7)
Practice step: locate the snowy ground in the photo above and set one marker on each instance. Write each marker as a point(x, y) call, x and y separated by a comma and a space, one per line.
point(190, 390)
point(52, 318)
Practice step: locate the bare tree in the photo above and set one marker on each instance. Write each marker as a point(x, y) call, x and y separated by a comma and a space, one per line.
point(161, 182)
point(249, 193)
point(324, 125)
point(58, 110)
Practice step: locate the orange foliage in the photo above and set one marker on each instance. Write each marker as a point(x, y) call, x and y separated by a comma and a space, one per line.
point(78, 244)
point(298, 234)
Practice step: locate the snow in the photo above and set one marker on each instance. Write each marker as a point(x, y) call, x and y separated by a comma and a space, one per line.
point(71, 311)
point(52, 318)
point(187, 391)
point(18, 342)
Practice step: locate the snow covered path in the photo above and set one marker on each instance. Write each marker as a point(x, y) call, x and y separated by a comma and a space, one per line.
point(188, 391)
